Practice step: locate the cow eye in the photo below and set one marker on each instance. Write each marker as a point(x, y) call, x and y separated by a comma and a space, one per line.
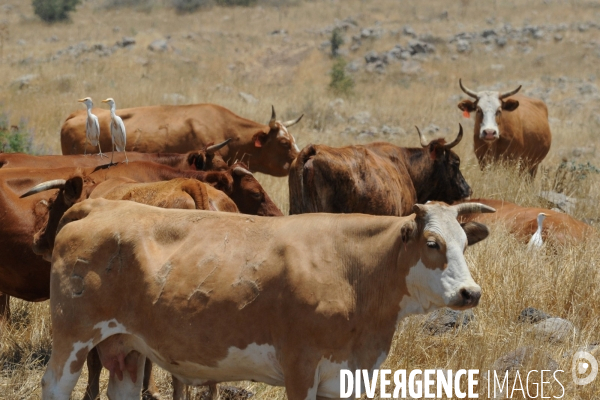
point(256, 195)
point(432, 244)
point(285, 143)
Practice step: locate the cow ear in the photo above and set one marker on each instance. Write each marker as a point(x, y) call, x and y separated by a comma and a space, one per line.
point(435, 150)
point(467, 105)
point(510, 104)
point(407, 232)
point(73, 189)
point(197, 160)
point(259, 139)
point(475, 231)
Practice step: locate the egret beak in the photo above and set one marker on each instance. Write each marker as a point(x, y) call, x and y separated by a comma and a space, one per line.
point(81, 100)
point(105, 101)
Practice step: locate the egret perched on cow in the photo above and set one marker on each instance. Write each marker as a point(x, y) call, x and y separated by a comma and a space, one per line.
point(92, 127)
point(117, 130)
point(536, 240)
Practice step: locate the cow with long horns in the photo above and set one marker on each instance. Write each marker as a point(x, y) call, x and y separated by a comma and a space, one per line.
point(375, 178)
point(508, 127)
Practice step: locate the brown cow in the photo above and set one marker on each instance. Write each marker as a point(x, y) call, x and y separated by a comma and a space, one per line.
point(508, 127)
point(178, 129)
point(558, 228)
point(292, 313)
point(207, 159)
point(376, 178)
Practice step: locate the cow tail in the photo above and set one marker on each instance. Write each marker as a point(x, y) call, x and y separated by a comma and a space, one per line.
point(197, 192)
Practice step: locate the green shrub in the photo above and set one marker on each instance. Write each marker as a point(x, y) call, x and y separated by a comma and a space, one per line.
point(189, 6)
point(14, 139)
point(54, 10)
point(340, 82)
point(337, 39)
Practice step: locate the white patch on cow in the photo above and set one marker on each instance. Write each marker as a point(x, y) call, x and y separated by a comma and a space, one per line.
point(489, 104)
point(106, 330)
point(255, 362)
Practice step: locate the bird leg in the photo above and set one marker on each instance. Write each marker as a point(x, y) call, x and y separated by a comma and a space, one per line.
point(100, 151)
point(126, 160)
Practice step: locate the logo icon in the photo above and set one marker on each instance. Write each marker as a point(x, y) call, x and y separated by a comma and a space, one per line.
point(584, 368)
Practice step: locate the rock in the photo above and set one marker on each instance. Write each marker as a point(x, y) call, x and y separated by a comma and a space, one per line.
point(501, 41)
point(353, 66)
point(23, 81)
point(583, 27)
point(248, 98)
point(411, 67)
point(558, 37)
point(378, 67)
point(445, 319)
point(488, 32)
point(372, 57)
point(362, 117)
point(126, 41)
point(392, 131)
point(174, 98)
point(555, 330)
point(409, 31)
point(159, 45)
point(538, 34)
point(52, 38)
point(532, 315)
point(419, 47)
point(431, 129)
point(463, 46)
point(560, 200)
point(278, 32)
point(325, 45)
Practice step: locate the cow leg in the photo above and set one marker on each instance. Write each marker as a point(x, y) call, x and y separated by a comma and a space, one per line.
point(4, 307)
point(149, 389)
point(178, 389)
point(301, 380)
point(94, 369)
point(126, 384)
point(61, 376)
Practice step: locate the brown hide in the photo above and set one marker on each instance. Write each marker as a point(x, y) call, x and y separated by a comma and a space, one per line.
point(178, 129)
point(558, 228)
point(376, 178)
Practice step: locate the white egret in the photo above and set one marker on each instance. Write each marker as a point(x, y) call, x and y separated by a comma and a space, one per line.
point(117, 130)
point(536, 240)
point(92, 127)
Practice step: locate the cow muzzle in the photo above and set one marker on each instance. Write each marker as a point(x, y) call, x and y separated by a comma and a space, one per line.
point(489, 135)
point(467, 297)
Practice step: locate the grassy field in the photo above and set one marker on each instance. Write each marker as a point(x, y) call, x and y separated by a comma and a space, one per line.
point(218, 52)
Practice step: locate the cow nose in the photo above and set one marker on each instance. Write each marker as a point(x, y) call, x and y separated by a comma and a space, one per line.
point(489, 133)
point(470, 297)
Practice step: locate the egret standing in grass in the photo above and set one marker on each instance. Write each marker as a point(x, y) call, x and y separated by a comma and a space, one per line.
point(92, 127)
point(536, 240)
point(117, 130)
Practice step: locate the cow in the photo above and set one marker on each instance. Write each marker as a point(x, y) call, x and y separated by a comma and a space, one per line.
point(508, 127)
point(558, 228)
point(207, 159)
point(177, 129)
point(376, 178)
point(297, 309)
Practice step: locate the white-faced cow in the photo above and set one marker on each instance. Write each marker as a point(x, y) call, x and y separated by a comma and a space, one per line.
point(287, 301)
point(269, 149)
point(508, 127)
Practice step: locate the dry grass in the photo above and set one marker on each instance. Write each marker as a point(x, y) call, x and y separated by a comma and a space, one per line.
point(219, 52)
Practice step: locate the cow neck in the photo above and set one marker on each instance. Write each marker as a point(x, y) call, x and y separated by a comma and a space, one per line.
point(420, 167)
point(378, 275)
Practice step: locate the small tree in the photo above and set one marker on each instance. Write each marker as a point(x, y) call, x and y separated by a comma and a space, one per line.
point(337, 39)
point(54, 10)
point(340, 82)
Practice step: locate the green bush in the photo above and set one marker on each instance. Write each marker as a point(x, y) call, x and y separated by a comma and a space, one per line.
point(54, 10)
point(14, 139)
point(189, 6)
point(337, 39)
point(340, 82)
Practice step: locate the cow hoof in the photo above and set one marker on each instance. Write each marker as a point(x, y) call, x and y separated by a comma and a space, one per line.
point(150, 396)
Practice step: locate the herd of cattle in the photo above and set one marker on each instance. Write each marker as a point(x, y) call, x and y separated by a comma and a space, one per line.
point(226, 293)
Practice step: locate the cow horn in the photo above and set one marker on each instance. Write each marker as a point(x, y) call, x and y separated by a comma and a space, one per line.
point(55, 184)
point(217, 147)
point(241, 171)
point(467, 91)
point(508, 94)
point(289, 123)
point(273, 118)
point(423, 144)
point(470, 208)
point(457, 140)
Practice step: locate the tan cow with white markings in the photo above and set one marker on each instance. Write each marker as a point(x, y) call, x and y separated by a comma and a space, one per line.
point(288, 301)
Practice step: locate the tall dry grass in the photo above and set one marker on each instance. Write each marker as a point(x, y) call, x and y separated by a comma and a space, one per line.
point(219, 52)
